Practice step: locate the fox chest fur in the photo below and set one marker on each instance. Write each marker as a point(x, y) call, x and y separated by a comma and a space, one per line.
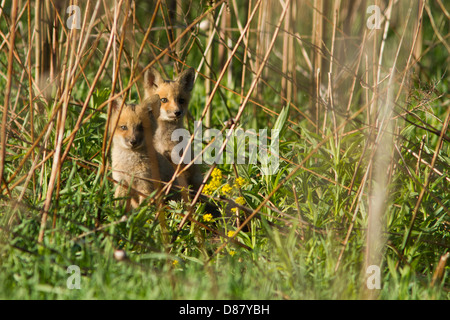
point(128, 164)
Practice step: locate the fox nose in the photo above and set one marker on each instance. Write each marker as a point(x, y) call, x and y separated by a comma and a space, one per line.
point(134, 142)
point(178, 113)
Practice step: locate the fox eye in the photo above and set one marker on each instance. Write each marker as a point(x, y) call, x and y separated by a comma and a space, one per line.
point(164, 100)
point(181, 101)
point(123, 128)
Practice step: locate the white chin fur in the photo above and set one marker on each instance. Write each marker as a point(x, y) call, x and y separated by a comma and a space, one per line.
point(164, 117)
point(121, 142)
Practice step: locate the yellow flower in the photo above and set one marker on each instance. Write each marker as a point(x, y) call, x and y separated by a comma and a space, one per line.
point(234, 209)
point(240, 182)
point(240, 200)
point(226, 189)
point(208, 189)
point(215, 183)
point(207, 217)
point(230, 234)
point(232, 252)
point(211, 187)
point(216, 174)
point(175, 263)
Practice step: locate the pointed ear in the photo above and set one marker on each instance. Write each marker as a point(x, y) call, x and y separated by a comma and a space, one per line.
point(152, 79)
point(154, 101)
point(115, 107)
point(151, 105)
point(115, 104)
point(186, 79)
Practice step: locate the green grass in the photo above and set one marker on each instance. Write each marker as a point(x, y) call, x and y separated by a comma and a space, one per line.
point(286, 260)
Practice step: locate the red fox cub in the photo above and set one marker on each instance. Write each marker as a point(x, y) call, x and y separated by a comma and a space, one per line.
point(174, 97)
point(132, 162)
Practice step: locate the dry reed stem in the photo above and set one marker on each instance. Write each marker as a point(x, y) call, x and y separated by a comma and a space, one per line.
point(375, 241)
point(208, 104)
point(8, 91)
point(58, 156)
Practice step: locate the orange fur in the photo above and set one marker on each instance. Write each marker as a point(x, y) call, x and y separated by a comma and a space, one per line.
point(174, 97)
point(132, 162)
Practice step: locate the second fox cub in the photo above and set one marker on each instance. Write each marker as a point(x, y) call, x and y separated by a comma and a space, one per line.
point(174, 97)
point(134, 161)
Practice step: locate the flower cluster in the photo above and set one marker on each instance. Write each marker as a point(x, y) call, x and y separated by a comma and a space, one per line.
point(216, 174)
point(207, 217)
point(215, 183)
point(240, 182)
point(226, 190)
point(240, 200)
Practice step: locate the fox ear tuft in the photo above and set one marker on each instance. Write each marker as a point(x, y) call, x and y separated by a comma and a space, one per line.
point(115, 104)
point(115, 107)
point(152, 79)
point(151, 103)
point(186, 79)
point(154, 101)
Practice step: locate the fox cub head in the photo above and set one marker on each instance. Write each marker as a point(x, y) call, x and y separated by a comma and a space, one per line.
point(129, 132)
point(174, 94)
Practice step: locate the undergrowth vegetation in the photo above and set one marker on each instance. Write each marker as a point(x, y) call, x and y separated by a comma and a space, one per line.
point(363, 152)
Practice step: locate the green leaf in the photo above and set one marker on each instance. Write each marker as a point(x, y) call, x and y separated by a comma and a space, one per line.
point(281, 121)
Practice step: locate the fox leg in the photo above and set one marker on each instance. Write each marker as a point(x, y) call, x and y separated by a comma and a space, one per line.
point(122, 192)
point(145, 188)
